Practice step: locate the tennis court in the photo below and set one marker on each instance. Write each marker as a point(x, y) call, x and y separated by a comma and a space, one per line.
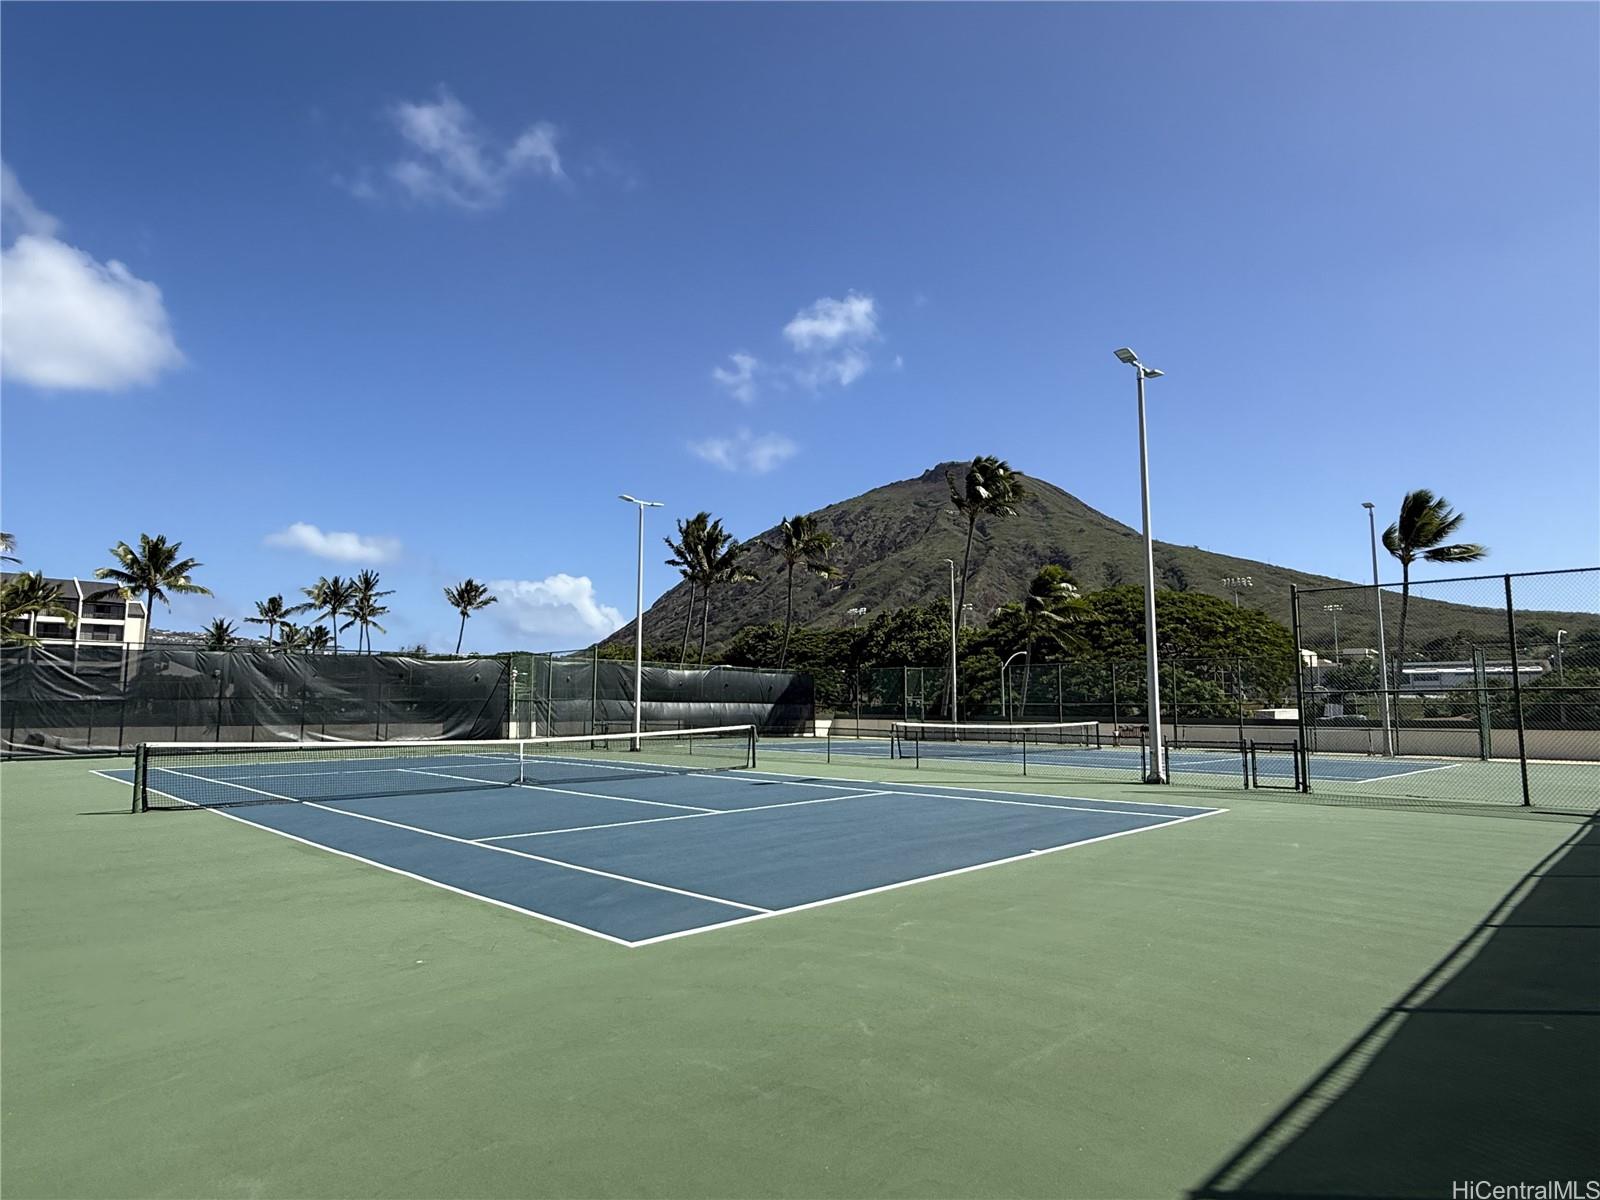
point(681, 835)
point(1125, 759)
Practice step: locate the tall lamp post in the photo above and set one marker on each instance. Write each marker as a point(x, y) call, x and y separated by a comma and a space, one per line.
point(1157, 772)
point(1005, 708)
point(954, 617)
point(1236, 584)
point(1383, 648)
point(638, 623)
point(1561, 683)
point(1335, 609)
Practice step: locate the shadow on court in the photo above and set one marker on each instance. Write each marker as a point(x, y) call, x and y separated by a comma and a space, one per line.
point(1487, 1069)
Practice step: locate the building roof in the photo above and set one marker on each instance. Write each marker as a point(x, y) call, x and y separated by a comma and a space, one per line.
point(83, 589)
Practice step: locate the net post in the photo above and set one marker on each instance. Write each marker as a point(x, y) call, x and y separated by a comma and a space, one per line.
point(1244, 762)
point(1024, 751)
point(1299, 689)
point(752, 758)
point(141, 779)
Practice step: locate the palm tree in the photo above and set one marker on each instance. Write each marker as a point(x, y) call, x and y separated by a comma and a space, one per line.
point(719, 565)
point(330, 597)
point(317, 639)
point(271, 613)
point(802, 543)
point(291, 637)
point(366, 601)
point(1049, 610)
point(220, 635)
point(154, 569)
point(1425, 522)
point(364, 611)
point(991, 489)
point(688, 555)
point(29, 594)
point(467, 597)
point(8, 543)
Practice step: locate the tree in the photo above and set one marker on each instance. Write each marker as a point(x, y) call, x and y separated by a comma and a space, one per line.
point(220, 635)
point(364, 608)
point(153, 570)
point(720, 566)
point(271, 613)
point(25, 595)
point(1425, 522)
point(1049, 610)
point(328, 597)
point(802, 542)
point(291, 637)
point(8, 543)
point(990, 489)
point(317, 639)
point(467, 597)
point(688, 555)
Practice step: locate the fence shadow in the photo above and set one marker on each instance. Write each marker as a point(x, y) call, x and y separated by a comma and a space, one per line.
point(1486, 1069)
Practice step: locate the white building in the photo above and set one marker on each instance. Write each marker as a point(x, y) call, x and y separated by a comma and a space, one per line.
point(104, 618)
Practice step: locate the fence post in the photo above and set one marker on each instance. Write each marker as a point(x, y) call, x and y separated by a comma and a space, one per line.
point(1516, 692)
point(1300, 690)
point(1480, 680)
point(1061, 703)
point(594, 690)
point(1116, 713)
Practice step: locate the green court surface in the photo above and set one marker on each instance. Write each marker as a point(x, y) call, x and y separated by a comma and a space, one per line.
point(195, 1007)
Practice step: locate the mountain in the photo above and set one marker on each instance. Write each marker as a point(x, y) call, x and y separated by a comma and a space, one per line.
point(895, 538)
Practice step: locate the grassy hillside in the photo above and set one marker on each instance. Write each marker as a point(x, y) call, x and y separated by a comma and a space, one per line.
point(894, 540)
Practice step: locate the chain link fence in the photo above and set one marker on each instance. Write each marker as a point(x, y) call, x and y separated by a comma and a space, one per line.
point(1479, 689)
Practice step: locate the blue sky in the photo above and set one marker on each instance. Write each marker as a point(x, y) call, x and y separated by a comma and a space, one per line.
point(316, 287)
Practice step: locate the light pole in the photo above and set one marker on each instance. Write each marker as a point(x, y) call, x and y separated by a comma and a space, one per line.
point(1383, 648)
point(1004, 707)
point(638, 623)
point(1561, 684)
point(1236, 584)
point(1335, 609)
point(1158, 761)
point(954, 716)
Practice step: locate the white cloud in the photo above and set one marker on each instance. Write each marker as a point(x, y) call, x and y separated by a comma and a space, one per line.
point(829, 323)
point(558, 606)
point(72, 322)
point(341, 547)
point(453, 161)
point(18, 209)
point(746, 451)
point(740, 379)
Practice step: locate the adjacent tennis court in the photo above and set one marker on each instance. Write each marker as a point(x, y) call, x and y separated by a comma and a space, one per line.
point(634, 842)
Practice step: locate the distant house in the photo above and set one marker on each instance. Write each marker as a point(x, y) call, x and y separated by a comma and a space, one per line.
point(104, 618)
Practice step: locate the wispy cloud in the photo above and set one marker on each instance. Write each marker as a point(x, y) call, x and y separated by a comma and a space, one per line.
point(332, 544)
point(739, 379)
point(746, 452)
point(557, 606)
point(829, 346)
point(70, 321)
point(829, 323)
point(450, 159)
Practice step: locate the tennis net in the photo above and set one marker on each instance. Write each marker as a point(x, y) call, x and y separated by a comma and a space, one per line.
point(222, 774)
point(1022, 746)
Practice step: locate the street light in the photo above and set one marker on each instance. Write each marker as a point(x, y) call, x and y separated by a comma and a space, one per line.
point(638, 623)
point(954, 716)
point(1004, 707)
point(1335, 609)
point(1561, 683)
point(1158, 763)
point(1236, 583)
point(1383, 649)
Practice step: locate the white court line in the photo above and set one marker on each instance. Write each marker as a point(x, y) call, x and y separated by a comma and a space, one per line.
point(896, 785)
point(545, 787)
point(1383, 778)
point(393, 870)
point(450, 837)
point(712, 812)
point(889, 887)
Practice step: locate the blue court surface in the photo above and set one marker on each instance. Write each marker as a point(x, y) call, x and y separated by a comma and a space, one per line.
point(637, 855)
point(1126, 760)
